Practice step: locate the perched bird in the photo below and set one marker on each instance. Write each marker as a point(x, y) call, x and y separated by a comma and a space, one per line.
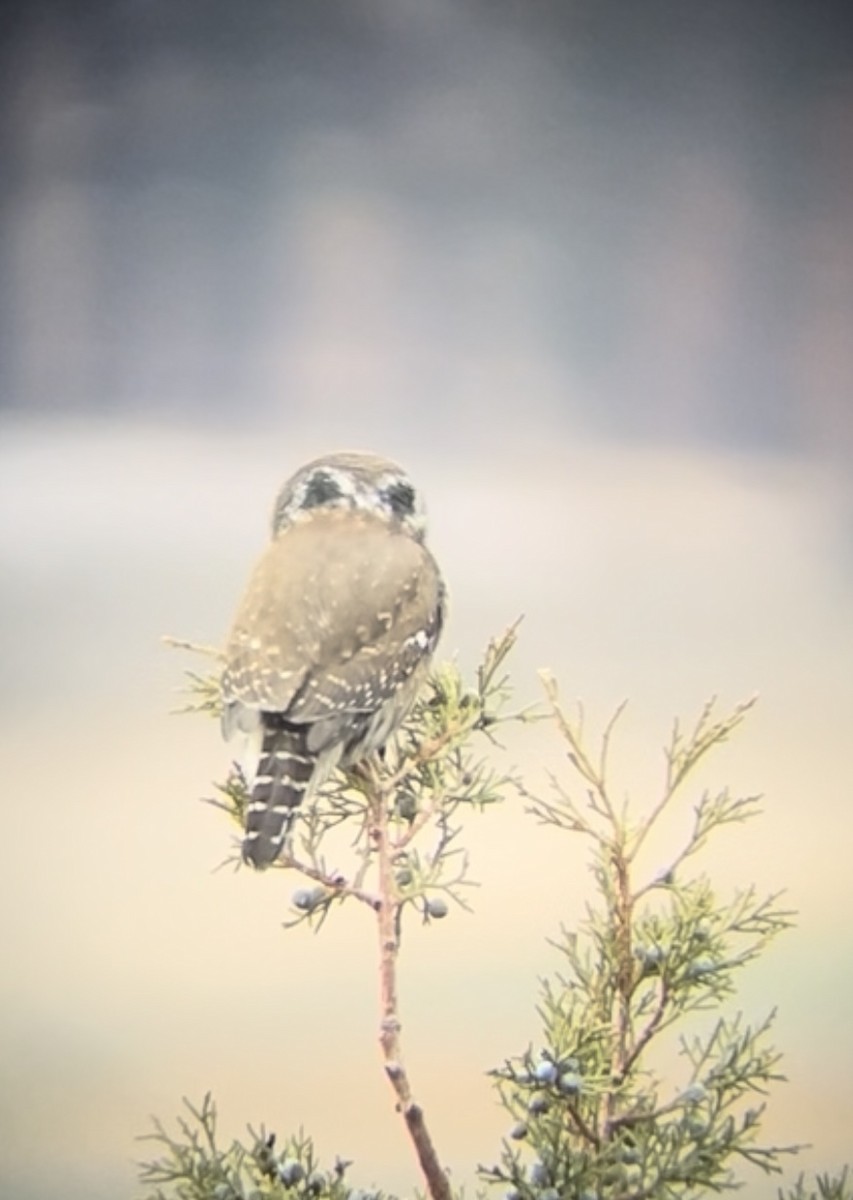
point(333, 636)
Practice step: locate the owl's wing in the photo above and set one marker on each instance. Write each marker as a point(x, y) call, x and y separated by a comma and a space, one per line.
point(339, 613)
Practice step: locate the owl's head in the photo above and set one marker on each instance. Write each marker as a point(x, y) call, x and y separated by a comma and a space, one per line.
point(354, 482)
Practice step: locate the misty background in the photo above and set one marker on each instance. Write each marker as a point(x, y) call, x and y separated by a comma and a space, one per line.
point(586, 269)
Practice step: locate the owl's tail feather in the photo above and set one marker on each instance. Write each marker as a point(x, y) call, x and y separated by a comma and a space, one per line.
point(283, 777)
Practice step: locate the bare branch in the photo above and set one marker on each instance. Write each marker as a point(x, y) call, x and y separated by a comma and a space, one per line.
point(195, 647)
point(388, 923)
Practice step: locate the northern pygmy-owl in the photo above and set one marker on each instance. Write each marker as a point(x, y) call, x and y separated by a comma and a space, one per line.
point(333, 636)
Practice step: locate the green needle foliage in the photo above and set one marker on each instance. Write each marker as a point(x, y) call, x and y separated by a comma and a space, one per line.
point(597, 1111)
point(593, 1118)
point(430, 775)
point(827, 1187)
point(192, 1165)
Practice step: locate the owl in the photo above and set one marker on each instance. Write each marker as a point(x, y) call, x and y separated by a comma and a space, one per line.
point(333, 636)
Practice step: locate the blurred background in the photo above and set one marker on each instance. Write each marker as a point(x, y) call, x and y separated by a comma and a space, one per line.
point(586, 269)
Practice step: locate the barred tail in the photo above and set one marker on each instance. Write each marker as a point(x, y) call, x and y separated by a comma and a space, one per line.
point(279, 787)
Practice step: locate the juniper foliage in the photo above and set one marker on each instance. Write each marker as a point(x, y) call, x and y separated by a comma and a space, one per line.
point(595, 1115)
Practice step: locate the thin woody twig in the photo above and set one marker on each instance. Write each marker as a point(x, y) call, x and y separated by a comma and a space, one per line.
point(584, 1129)
point(335, 883)
point(645, 1035)
point(389, 1031)
point(195, 647)
point(427, 752)
point(420, 820)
